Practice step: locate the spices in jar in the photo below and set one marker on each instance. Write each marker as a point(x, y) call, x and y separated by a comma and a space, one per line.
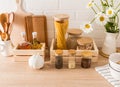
point(86, 59)
point(73, 35)
point(85, 43)
point(85, 63)
point(59, 59)
point(72, 59)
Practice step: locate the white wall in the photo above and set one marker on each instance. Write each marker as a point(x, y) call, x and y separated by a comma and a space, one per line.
point(75, 8)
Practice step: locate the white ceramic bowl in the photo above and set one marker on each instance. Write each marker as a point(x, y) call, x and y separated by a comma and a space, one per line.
point(115, 74)
point(113, 59)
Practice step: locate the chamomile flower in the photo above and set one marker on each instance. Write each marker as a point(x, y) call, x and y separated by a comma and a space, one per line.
point(101, 18)
point(90, 4)
point(110, 12)
point(87, 28)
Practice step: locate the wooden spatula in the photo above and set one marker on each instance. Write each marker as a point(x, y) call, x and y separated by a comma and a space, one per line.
point(4, 19)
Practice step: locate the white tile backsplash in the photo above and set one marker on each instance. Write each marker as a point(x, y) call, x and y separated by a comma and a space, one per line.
point(76, 9)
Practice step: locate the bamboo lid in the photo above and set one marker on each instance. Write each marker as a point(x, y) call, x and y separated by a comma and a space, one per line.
point(72, 51)
point(74, 31)
point(61, 17)
point(84, 40)
point(59, 52)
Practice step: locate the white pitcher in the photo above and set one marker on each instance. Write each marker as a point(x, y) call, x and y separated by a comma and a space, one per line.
point(109, 45)
point(5, 48)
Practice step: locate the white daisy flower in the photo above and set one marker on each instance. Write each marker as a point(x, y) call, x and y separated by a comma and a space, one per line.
point(101, 18)
point(87, 28)
point(110, 12)
point(90, 4)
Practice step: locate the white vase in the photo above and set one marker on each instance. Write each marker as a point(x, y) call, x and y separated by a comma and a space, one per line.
point(109, 45)
point(5, 48)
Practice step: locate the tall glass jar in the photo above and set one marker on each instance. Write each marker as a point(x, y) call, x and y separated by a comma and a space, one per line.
point(73, 35)
point(61, 23)
point(72, 59)
point(59, 59)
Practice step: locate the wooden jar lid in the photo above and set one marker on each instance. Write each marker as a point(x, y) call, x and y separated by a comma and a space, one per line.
point(84, 40)
point(86, 54)
point(72, 51)
point(61, 17)
point(59, 52)
point(74, 31)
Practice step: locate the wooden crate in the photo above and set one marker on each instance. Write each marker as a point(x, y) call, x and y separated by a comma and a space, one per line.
point(23, 55)
point(78, 53)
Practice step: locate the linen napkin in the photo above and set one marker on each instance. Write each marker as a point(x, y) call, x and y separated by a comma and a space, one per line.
point(105, 72)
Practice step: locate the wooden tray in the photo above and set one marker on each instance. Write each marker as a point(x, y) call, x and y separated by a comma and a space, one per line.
point(78, 53)
point(29, 52)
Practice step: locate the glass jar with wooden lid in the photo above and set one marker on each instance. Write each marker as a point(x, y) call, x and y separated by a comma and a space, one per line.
point(72, 59)
point(85, 43)
point(73, 35)
point(61, 25)
point(86, 59)
point(58, 59)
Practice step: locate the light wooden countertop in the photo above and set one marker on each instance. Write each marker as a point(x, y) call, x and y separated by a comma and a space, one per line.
point(18, 74)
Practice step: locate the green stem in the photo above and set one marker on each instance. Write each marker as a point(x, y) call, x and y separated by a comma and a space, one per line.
point(117, 19)
point(97, 7)
point(92, 20)
point(117, 6)
point(107, 2)
point(103, 7)
point(117, 12)
point(112, 4)
point(94, 10)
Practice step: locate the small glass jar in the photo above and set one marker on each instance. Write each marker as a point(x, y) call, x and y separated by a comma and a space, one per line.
point(85, 43)
point(85, 62)
point(72, 59)
point(59, 59)
point(86, 59)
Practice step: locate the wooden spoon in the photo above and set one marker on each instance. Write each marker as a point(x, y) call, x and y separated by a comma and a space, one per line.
point(11, 17)
point(4, 36)
point(10, 21)
point(4, 19)
point(5, 26)
point(0, 32)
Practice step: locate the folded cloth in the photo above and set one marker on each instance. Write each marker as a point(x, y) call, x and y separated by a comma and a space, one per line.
point(105, 72)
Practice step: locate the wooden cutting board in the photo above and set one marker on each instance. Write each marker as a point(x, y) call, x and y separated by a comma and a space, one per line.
point(18, 25)
point(36, 24)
